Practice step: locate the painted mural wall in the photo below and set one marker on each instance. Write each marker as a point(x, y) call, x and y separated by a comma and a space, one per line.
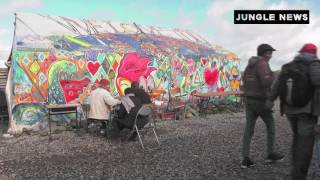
point(56, 60)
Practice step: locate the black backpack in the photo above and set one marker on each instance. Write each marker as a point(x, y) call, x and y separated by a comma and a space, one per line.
point(295, 75)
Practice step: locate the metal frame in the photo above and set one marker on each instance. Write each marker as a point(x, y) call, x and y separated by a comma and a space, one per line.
point(145, 110)
point(60, 110)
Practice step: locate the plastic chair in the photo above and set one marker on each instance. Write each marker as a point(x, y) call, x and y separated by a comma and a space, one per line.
point(145, 110)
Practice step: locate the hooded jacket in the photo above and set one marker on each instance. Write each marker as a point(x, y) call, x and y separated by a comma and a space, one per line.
point(313, 106)
point(257, 78)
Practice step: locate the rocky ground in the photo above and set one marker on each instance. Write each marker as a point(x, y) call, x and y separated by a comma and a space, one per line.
point(208, 148)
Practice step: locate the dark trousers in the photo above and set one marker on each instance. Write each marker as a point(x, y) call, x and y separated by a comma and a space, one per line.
point(102, 121)
point(256, 108)
point(127, 122)
point(302, 126)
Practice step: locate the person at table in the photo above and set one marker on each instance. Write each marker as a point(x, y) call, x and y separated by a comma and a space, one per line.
point(101, 101)
point(133, 100)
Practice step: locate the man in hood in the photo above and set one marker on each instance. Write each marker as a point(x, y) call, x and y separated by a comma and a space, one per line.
point(302, 118)
point(257, 80)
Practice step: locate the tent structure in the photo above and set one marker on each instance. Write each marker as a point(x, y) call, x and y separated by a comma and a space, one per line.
point(56, 59)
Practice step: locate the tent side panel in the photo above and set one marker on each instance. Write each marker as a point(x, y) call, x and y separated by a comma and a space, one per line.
point(59, 67)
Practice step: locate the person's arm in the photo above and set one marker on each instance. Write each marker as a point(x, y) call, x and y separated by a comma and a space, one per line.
point(314, 70)
point(265, 74)
point(147, 99)
point(122, 112)
point(274, 92)
point(110, 100)
point(315, 73)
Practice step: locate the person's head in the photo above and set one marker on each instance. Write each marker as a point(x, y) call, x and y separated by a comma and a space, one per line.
point(265, 50)
point(135, 85)
point(309, 48)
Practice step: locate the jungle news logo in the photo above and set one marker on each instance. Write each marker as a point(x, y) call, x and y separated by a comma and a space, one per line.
point(271, 17)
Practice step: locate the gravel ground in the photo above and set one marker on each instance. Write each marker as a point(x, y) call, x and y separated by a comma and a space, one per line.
point(191, 149)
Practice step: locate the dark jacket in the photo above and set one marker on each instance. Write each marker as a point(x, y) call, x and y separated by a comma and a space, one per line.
point(122, 113)
point(313, 106)
point(257, 78)
point(140, 93)
point(140, 98)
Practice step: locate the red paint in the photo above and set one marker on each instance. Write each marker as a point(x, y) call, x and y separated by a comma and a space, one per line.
point(203, 61)
point(221, 89)
point(211, 76)
point(115, 65)
point(93, 67)
point(73, 88)
point(133, 66)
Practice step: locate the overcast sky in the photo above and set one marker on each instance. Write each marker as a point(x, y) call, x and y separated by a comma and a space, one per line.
point(213, 19)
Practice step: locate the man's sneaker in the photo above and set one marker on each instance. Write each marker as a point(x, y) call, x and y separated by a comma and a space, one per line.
point(274, 157)
point(246, 162)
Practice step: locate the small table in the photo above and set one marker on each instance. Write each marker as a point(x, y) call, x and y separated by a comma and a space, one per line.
point(59, 109)
point(205, 98)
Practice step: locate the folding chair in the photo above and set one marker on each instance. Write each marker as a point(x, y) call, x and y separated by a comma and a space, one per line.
point(145, 110)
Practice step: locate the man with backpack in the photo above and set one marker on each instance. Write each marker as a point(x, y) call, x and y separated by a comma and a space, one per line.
point(298, 88)
point(257, 80)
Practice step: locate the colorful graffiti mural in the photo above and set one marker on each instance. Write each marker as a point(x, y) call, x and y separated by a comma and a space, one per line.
point(57, 59)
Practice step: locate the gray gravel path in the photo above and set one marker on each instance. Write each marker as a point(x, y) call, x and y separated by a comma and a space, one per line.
point(191, 149)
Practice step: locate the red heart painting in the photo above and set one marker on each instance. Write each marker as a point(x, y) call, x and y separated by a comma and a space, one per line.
point(73, 88)
point(93, 67)
point(211, 76)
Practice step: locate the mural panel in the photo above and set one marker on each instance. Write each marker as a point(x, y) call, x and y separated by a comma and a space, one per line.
point(57, 60)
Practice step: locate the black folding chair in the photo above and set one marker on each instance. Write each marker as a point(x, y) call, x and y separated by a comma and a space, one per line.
point(145, 110)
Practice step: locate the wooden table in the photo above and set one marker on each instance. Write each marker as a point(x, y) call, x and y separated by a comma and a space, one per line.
point(59, 109)
point(205, 98)
point(212, 94)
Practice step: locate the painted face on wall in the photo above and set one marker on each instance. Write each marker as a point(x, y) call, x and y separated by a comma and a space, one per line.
point(234, 72)
point(131, 68)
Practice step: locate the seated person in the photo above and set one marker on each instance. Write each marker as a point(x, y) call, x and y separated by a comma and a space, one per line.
point(101, 101)
point(131, 103)
point(139, 92)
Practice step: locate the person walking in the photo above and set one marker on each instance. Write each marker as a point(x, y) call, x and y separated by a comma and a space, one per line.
point(298, 86)
point(257, 80)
